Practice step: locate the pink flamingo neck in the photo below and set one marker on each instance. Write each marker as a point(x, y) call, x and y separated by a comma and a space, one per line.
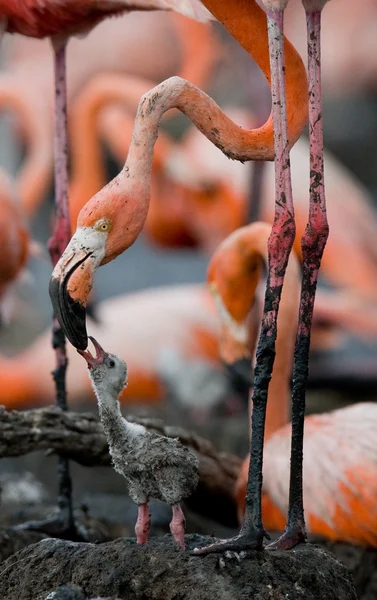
point(34, 175)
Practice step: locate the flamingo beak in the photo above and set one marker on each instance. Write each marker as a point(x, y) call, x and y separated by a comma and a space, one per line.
point(72, 281)
point(241, 377)
point(93, 361)
point(237, 360)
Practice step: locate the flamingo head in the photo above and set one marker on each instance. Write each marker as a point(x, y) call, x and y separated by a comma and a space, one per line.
point(107, 225)
point(108, 372)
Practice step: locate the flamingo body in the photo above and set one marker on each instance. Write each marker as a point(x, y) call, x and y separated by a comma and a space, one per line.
point(340, 448)
point(49, 18)
point(340, 475)
point(138, 326)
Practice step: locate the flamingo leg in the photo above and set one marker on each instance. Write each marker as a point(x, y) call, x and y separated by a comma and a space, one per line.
point(279, 247)
point(313, 244)
point(177, 525)
point(143, 523)
point(63, 524)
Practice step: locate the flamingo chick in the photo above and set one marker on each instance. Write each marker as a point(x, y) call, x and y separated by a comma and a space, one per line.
point(154, 466)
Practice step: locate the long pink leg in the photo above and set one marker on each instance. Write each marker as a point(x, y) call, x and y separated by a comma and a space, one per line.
point(279, 248)
point(143, 524)
point(63, 524)
point(313, 244)
point(177, 525)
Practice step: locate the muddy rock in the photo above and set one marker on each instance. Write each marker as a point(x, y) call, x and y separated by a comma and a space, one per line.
point(160, 571)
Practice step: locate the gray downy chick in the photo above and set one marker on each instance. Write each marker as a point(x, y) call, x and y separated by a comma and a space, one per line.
point(153, 465)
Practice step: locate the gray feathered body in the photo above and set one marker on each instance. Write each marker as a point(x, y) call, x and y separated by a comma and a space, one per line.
point(154, 466)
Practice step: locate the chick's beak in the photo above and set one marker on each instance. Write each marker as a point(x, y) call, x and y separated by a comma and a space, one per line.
point(93, 361)
point(71, 283)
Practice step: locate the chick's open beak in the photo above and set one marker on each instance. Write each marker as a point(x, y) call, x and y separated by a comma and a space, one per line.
point(71, 283)
point(93, 361)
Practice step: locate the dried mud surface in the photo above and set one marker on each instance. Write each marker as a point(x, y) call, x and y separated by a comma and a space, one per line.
point(123, 570)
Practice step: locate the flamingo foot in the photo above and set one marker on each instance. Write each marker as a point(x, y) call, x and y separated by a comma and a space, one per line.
point(143, 524)
point(56, 527)
point(177, 525)
point(242, 542)
point(292, 537)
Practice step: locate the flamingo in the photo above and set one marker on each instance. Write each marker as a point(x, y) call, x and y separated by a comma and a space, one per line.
point(153, 465)
point(59, 21)
point(100, 237)
point(140, 326)
point(340, 480)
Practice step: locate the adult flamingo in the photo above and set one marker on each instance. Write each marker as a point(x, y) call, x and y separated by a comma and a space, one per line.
point(340, 479)
point(131, 186)
point(58, 21)
point(100, 236)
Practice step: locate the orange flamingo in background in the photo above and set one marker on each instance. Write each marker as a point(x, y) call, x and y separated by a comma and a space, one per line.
point(349, 260)
point(139, 326)
point(35, 173)
point(15, 243)
point(340, 477)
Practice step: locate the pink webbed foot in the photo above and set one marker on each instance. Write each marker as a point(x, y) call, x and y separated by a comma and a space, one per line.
point(291, 538)
point(143, 524)
point(177, 525)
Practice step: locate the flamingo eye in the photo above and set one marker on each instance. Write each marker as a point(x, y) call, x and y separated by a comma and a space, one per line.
point(103, 226)
point(111, 363)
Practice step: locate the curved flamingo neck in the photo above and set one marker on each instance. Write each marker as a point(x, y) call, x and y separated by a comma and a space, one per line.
point(236, 269)
point(35, 173)
point(252, 36)
point(89, 174)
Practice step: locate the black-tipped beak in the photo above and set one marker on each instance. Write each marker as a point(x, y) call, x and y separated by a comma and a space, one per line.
point(70, 312)
point(242, 377)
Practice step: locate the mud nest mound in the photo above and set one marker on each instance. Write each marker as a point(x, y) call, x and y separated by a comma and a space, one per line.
point(121, 569)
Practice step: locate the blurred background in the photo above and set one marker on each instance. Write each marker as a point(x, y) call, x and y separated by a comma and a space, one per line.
point(198, 198)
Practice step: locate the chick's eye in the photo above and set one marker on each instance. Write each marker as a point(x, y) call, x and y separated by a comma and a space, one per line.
point(111, 364)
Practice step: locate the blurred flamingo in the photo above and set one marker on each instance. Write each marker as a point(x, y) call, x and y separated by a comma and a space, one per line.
point(15, 243)
point(340, 449)
point(35, 172)
point(140, 326)
point(216, 197)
